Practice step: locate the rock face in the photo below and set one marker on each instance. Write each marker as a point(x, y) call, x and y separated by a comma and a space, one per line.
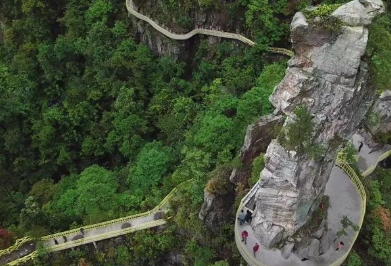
point(258, 137)
point(381, 114)
point(328, 76)
point(219, 196)
point(183, 50)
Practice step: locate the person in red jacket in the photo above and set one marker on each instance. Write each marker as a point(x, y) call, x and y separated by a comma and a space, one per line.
point(244, 237)
point(255, 249)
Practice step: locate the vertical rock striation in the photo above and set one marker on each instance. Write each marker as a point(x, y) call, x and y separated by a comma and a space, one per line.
point(328, 76)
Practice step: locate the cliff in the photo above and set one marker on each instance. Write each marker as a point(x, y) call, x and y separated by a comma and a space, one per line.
point(327, 79)
point(180, 18)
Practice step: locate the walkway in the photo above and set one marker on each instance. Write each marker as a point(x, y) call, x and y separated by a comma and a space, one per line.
point(186, 36)
point(368, 160)
point(96, 232)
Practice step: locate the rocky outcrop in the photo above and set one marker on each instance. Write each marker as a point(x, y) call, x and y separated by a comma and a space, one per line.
point(329, 77)
point(219, 196)
point(380, 117)
point(258, 137)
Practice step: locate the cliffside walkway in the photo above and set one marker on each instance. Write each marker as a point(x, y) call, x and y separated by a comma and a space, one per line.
point(96, 232)
point(347, 197)
point(186, 36)
point(368, 159)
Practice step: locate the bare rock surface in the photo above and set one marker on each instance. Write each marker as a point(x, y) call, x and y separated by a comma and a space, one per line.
point(329, 77)
point(256, 141)
point(359, 12)
point(381, 114)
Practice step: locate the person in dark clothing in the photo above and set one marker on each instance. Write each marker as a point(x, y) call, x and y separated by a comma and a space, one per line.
point(55, 242)
point(65, 238)
point(242, 217)
point(249, 217)
point(82, 231)
point(360, 147)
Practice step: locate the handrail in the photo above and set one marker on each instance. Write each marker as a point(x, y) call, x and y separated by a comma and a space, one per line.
point(24, 259)
point(249, 258)
point(372, 168)
point(361, 191)
point(19, 242)
point(221, 34)
point(78, 242)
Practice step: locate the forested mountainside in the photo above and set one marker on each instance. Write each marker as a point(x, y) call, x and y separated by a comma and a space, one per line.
point(101, 116)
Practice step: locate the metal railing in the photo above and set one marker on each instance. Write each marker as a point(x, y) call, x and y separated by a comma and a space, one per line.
point(24, 259)
point(19, 242)
point(249, 258)
point(216, 33)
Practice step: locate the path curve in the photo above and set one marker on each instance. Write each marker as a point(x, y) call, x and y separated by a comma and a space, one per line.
point(186, 36)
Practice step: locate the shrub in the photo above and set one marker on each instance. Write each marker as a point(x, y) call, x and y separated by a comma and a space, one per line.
point(321, 17)
point(354, 259)
point(258, 165)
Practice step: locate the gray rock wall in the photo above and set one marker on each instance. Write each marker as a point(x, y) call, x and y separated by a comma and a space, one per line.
point(163, 46)
point(328, 76)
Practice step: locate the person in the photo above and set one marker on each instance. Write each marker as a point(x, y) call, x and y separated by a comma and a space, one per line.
point(65, 238)
point(241, 217)
point(82, 230)
point(248, 217)
point(255, 249)
point(244, 237)
point(360, 147)
point(55, 241)
point(339, 245)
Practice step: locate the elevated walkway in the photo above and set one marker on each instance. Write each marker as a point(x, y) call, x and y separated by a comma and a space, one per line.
point(186, 36)
point(96, 232)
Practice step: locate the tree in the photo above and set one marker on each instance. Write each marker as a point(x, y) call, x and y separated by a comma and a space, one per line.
point(298, 134)
point(30, 213)
point(93, 197)
point(151, 166)
point(43, 191)
point(255, 102)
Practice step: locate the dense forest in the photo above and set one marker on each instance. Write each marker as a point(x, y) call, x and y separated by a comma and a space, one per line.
point(95, 126)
